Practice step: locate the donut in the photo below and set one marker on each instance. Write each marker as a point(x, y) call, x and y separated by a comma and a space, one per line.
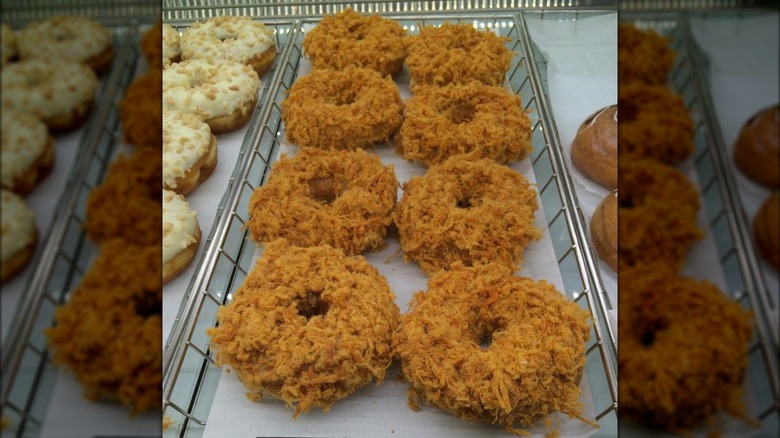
point(766, 228)
point(657, 207)
point(342, 109)
point(351, 39)
point(486, 346)
point(604, 230)
point(643, 56)
point(475, 212)
point(472, 120)
point(60, 92)
point(19, 236)
point(171, 47)
point(309, 326)
point(189, 151)
point(653, 124)
point(27, 151)
point(152, 45)
point(181, 234)
point(456, 53)
point(756, 151)
point(7, 44)
point(683, 350)
point(341, 198)
point(140, 110)
point(109, 331)
point(68, 38)
point(222, 93)
point(594, 151)
point(127, 204)
point(237, 39)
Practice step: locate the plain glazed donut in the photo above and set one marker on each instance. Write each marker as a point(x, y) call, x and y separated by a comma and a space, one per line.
point(8, 44)
point(309, 326)
point(475, 212)
point(341, 198)
point(171, 45)
point(473, 121)
point(766, 228)
point(683, 350)
point(756, 151)
point(72, 38)
point(457, 53)
point(227, 38)
point(181, 234)
point(189, 151)
point(222, 93)
point(530, 368)
point(59, 92)
point(604, 230)
point(347, 109)
point(19, 235)
point(594, 151)
point(643, 56)
point(348, 38)
point(27, 151)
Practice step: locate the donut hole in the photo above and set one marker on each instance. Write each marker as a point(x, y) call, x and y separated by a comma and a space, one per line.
point(147, 306)
point(486, 334)
point(464, 203)
point(629, 109)
point(323, 189)
point(625, 202)
point(357, 32)
point(460, 112)
point(345, 98)
point(312, 305)
point(467, 200)
point(648, 333)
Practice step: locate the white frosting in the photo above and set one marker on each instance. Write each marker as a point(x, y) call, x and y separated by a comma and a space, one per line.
point(237, 39)
point(18, 225)
point(47, 88)
point(76, 38)
point(24, 139)
point(170, 44)
point(208, 88)
point(180, 224)
point(185, 140)
point(8, 47)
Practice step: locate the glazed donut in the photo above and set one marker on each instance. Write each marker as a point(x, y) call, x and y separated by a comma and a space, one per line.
point(683, 350)
point(189, 151)
point(60, 92)
point(342, 109)
point(109, 331)
point(7, 44)
point(473, 120)
point(171, 47)
point(341, 198)
point(766, 228)
point(309, 326)
point(657, 211)
point(756, 151)
point(140, 110)
point(238, 39)
point(653, 124)
point(594, 151)
point(475, 212)
point(531, 365)
point(457, 53)
point(71, 38)
point(19, 235)
point(181, 234)
point(348, 38)
point(222, 93)
point(28, 151)
point(643, 56)
point(604, 230)
point(152, 45)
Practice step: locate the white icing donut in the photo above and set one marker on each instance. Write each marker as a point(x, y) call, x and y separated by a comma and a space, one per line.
point(171, 50)
point(180, 224)
point(8, 47)
point(48, 89)
point(18, 225)
point(185, 140)
point(239, 39)
point(24, 140)
point(75, 38)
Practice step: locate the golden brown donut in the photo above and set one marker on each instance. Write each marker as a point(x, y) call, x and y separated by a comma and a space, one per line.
point(594, 150)
point(757, 152)
point(766, 226)
point(604, 229)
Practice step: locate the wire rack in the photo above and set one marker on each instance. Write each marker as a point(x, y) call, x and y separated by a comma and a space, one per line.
point(117, 12)
point(191, 377)
point(724, 225)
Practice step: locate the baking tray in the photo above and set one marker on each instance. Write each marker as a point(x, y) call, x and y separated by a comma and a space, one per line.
point(736, 263)
point(191, 379)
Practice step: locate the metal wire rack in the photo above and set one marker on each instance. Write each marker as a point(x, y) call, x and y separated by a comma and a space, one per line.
point(191, 378)
point(736, 261)
point(117, 12)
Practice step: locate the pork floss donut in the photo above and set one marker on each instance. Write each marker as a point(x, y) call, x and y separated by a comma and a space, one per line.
point(756, 151)
point(683, 349)
point(59, 92)
point(71, 38)
point(473, 121)
point(152, 45)
point(189, 151)
point(594, 151)
point(19, 235)
point(643, 56)
point(349, 38)
point(8, 44)
point(140, 110)
point(238, 39)
point(604, 230)
point(27, 151)
point(341, 198)
point(457, 53)
point(530, 368)
point(475, 212)
point(309, 326)
point(181, 234)
point(766, 228)
point(342, 109)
